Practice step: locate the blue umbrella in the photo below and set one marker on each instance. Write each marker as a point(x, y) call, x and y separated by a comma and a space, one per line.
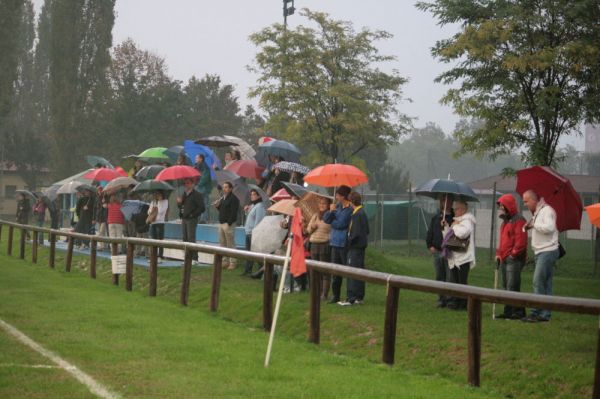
point(280, 148)
point(436, 188)
point(192, 149)
point(131, 207)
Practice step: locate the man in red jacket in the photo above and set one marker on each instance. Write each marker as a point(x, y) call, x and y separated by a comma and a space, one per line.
point(512, 251)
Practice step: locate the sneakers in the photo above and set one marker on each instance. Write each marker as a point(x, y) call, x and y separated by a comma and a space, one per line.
point(534, 319)
point(195, 263)
point(359, 302)
point(345, 303)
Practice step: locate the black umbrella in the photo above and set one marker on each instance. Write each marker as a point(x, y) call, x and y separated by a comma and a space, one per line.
point(240, 188)
point(95, 160)
point(84, 187)
point(294, 189)
point(152, 185)
point(149, 172)
point(283, 149)
point(436, 188)
point(215, 141)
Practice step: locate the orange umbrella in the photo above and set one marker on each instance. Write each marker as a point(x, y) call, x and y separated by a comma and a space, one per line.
point(593, 212)
point(336, 174)
point(285, 207)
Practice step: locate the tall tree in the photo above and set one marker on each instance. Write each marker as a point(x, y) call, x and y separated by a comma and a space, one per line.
point(79, 59)
point(529, 69)
point(10, 20)
point(322, 87)
point(211, 107)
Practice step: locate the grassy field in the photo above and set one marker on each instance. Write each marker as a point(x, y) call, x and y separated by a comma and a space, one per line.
point(152, 347)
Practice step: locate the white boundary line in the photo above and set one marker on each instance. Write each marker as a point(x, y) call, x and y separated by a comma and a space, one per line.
point(94, 386)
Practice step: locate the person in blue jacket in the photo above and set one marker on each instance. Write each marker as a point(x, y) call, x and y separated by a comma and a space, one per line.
point(339, 218)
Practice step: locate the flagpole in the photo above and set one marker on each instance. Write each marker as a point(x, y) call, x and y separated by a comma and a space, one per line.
point(279, 296)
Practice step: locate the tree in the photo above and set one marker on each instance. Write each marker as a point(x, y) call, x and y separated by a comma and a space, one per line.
point(322, 87)
point(210, 107)
point(10, 19)
point(80, 39)
point(529, 70)
point(252, 125)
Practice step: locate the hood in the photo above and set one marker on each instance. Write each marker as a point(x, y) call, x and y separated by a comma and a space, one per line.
point(466, 216)
point(508, 201)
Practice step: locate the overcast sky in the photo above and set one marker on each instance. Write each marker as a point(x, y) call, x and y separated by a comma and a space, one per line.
point(197, 37)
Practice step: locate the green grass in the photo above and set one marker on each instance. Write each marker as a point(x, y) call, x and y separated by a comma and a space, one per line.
point(521, 360)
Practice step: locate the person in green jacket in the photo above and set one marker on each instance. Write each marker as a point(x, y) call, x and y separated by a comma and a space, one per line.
point(204, 185)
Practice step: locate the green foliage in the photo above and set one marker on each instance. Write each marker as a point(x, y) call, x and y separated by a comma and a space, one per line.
point(321, 87)
point(11, 12)
point(529, 70)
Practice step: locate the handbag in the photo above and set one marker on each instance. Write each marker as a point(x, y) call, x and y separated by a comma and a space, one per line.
point(456, 244)
point(561, 250)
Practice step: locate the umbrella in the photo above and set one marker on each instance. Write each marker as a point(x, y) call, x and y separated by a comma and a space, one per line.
point(121, 171)
point(240, 188)
point(281, 194)
point(152, 185)
point(149, 172)
point(336, 174)
point(95, 160)
point(593, 212)
point(265, 198)
point(309, 204)
point(118, 183)
point(557, 191)
point(177, 172)
point(291, 167)
point(246, 168)
point(215, 141)
point(294, 189)
point(241, 145)
point(268, 235)
point(131, 207)
point(84, 187)
point(174, 152)
point(285, 206)
point(69, 187)
point(280, 148)
point(435, 188)
point(28, 194)
point(102, 174)
point(153, 154)
point(192, 149)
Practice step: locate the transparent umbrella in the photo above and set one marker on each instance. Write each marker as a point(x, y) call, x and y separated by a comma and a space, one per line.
point(268, 235)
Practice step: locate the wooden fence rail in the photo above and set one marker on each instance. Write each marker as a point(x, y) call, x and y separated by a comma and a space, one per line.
point(475, 295)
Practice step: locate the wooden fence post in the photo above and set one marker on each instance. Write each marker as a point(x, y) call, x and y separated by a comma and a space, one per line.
point(114, 250)
point(268, 296)
point(93, 257)
point(596, 393)
point(129, 267)
point(69, 257)
point(34, 247)
point(52, 255)
point(389, 325)
point(153, 270)
point(22, 244)
point(315, 307)
point(11, 231)
point(215, 287)
point(1, 232)
point(185, 280)
point(474, 340)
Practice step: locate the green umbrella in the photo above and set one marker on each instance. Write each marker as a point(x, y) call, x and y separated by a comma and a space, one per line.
point(154, 153)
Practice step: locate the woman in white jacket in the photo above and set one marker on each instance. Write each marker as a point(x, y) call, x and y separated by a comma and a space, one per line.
point(460, 262)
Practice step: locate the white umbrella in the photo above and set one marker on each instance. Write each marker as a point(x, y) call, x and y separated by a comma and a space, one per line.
point(246, 151)
point(70, 187)
point(267, 236)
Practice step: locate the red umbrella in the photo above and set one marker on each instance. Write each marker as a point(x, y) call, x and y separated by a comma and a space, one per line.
point(121, 171)
point(246, 168)
point(336, 174)
point(102, 174)
point(177, 172)
point(557, 191)
point(281, 194)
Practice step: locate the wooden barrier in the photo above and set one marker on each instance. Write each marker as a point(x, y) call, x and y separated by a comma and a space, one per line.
point(475, 295)
point(34, 247)
point(93, 257)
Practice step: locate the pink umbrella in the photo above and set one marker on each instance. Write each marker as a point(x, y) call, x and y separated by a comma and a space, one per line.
point(102, 174)
point(177, 172)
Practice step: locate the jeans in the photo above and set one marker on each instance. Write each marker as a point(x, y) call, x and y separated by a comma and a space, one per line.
point(510, 270)
point(249, 263)
point(40, 223)
point(356, 288)
point(542, 278)
point(442, 273)
point(157, 232)
point(338, 255)
point(189, 233)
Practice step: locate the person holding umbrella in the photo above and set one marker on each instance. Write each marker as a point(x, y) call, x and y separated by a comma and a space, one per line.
point(191, 206)
point(319, 233)
point(39, 210)
point(156, 218)
point(85, 213)
point(23, 209)
point(204, 185)
point(434, 242)
point(544, 241)
point(511, 252)
point(339, 217)
point(255, 212)
point(228, 206)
